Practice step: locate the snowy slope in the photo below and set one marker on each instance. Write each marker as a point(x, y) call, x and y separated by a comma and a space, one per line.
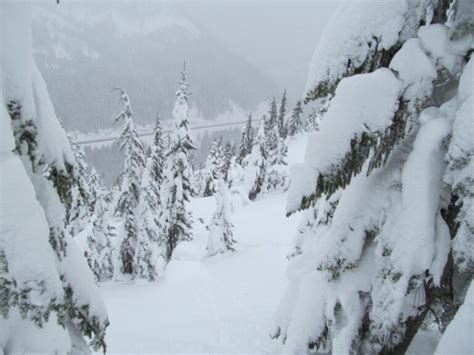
point(225, 303)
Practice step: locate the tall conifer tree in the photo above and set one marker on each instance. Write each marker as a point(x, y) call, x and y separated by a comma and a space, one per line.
point(295, 125)
point(246, 140)
point(282, 124)
point(178, 184)
point(221, 237)
point(130, 187)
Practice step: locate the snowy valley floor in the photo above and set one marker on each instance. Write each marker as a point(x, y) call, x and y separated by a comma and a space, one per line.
point(221, 304)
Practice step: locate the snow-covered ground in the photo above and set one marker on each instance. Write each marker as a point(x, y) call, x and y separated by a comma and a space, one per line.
point(222, 304)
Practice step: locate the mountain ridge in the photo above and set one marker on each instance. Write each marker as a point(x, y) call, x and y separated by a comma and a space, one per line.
point(145, 57)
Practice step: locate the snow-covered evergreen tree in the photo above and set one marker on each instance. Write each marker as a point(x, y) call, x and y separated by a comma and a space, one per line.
point(277, 176)
point(157, 154)
point(150, 246)
point(130, 188)
point(221, 237)
point(272, 135)
point(256, 163)
point(101, 236)
point(295, 125)
point(311, 123)
point(282, 124)
point(228, 152)
point(79, 202)
point(214, 168)
point(246, 140)
point(178, 183)
point(383, 206)
point(96, 183)
point(46, 288)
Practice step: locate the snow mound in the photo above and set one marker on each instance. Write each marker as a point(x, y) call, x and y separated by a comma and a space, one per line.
point(187, 251)
point(435, 40)
point(373, 101)
point(415, 69)
point(303, 180)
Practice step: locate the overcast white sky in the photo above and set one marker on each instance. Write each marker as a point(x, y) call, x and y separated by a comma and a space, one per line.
point(278, 37)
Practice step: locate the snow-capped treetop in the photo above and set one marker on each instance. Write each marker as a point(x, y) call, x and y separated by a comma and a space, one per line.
point(183, 92)
point(181, 135)
point(126, 113)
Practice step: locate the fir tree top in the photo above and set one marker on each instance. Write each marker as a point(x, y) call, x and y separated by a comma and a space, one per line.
point(183, 92)
point(126, 113)
point(181, 137)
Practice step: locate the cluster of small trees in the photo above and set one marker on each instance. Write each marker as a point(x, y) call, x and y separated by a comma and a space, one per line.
point(134, 228)
point(259, 162)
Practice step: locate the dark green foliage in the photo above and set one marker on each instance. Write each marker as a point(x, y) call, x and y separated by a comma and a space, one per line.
point(14, 296)
point(295, 125)
point(25, 135)
point(157, 153)
point(178, 221)
point(282, 124)
point(311, 123)
point(229, 153)
point(89, 324)
point(259, 181)
point(321, 342)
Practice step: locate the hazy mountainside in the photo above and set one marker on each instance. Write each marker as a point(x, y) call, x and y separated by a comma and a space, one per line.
point(96, 47)
point(108, 159)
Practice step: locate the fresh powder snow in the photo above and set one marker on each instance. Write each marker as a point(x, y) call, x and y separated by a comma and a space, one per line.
point(221, 304)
